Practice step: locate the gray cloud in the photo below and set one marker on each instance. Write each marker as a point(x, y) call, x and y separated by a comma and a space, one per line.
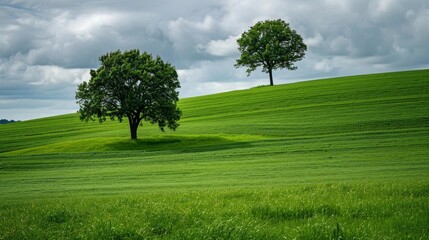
point(47, 47)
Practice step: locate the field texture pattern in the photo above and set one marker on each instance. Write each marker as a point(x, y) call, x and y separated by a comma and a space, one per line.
point(342, 158)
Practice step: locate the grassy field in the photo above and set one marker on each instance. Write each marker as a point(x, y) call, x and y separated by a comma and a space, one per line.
point(342, 158)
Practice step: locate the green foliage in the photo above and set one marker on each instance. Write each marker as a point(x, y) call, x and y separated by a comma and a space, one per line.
point(342, 158)
point(271, 44)
point(134, 86)
point(5, 121)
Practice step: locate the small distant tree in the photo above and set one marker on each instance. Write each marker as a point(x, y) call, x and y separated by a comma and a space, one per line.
point(5, 121)
point(271, 44)
point(134, 86)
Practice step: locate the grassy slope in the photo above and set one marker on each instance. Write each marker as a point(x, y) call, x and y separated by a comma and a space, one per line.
point(366, 131)
point(339, 129)
point(343, 105)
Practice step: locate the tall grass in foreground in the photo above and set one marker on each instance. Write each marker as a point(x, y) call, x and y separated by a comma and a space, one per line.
point(318, 211)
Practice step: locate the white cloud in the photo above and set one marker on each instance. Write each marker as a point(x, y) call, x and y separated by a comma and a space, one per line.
point(222, 70)
point(51, 75)
point(84, 26)
point(26, 109)
point(383, 8)
point(324, 65)
point(221, 48)
point(419, 24)
point(186, 35)
point(315, 41)
point(341, 46)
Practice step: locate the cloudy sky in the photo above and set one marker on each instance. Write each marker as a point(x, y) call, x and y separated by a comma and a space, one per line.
point(48, 46)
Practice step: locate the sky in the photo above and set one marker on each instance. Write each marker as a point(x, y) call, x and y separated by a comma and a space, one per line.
point(47, 47)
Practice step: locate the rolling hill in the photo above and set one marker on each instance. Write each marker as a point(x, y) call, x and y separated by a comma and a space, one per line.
point(369, 103)
point(341, 137)
point(381, 120)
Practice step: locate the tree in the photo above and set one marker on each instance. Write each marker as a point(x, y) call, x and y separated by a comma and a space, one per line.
point(271, 44)
point(5, 121)
point(131, 85)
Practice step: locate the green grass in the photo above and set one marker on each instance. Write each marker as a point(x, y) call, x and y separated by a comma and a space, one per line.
point(317, 211)
point(342, 158)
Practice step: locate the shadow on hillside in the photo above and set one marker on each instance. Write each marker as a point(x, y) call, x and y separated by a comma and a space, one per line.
point(178, 143)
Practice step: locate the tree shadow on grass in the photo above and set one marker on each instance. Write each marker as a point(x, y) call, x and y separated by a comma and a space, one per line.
point(178, 143)
point(187, 143)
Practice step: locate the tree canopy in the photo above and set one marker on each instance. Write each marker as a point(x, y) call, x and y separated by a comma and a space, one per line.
point(134, 86)
point(5, 121)
point(271, 44)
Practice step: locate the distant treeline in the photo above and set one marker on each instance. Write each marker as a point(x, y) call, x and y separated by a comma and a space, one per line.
point(4, 121)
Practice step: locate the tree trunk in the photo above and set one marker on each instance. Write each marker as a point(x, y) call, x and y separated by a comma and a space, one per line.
point(134, 124)
point(133, 128)
point(270, 71)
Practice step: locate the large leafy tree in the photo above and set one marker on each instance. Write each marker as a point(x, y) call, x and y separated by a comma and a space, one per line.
point(271, 44)
point(134, 86)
